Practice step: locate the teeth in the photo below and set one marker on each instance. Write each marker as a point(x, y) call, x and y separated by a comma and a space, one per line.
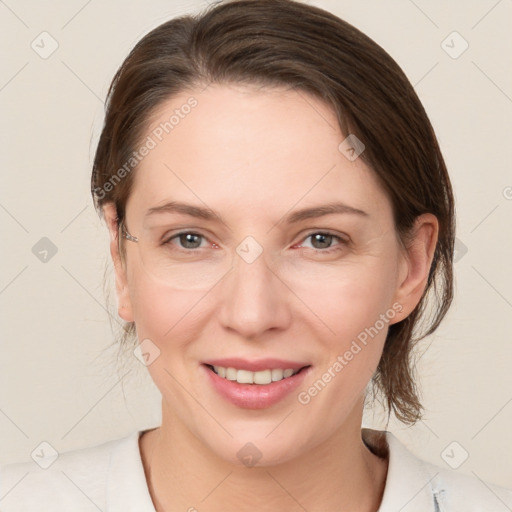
point(248, 377)
point(230, 373)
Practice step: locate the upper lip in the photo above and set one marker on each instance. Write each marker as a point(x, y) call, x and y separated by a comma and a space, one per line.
point(256, 365)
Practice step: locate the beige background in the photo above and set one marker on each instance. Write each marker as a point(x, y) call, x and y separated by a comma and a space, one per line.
point(58, 378)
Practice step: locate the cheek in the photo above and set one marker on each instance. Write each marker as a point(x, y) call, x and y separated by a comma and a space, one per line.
point(170, 319)
point(160, 312)
point(356, 309)
point(349, 297)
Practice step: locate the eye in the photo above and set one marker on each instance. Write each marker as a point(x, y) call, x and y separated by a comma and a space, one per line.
point(323, 242)
point(187, 240)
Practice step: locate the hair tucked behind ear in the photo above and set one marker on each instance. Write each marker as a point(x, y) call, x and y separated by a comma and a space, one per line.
point(287, 43)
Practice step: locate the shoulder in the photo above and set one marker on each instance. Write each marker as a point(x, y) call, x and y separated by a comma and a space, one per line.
point(413, 484)
point(458, 491)
point(78, 480)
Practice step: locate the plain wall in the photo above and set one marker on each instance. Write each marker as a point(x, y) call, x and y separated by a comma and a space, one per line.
point(58, 377)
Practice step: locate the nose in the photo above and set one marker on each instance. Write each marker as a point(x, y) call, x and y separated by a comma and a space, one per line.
point(254, 298)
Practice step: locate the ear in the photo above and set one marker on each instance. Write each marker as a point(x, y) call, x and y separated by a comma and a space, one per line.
point(415, 263)
point(124, 307)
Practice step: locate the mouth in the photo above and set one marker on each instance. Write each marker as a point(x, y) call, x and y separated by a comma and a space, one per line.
point(261, 378)
point(255, 385)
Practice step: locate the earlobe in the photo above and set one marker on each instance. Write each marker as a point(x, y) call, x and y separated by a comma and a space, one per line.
point(415, 263)
point(123, 297)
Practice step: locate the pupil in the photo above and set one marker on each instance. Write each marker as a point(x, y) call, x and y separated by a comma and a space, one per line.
point(189, 239)
point(322, 239)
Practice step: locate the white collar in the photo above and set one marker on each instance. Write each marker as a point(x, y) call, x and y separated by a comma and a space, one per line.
point(127, 489)
point(411, 483)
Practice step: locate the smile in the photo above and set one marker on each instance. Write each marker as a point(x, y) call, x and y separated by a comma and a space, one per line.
point(260, 377)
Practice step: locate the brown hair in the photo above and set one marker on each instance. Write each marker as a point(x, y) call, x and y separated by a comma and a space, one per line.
point(290, 44)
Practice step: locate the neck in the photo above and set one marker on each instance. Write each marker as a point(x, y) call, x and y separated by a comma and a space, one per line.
point(339, 474)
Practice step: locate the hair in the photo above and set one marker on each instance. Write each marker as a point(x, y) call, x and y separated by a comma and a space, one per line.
point(285, 43)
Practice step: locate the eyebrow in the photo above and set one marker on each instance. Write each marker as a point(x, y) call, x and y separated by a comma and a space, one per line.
point(294, 217)
point(320, 211)
point(185, 209)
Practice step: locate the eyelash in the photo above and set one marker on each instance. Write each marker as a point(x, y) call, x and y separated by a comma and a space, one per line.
point(341, 241)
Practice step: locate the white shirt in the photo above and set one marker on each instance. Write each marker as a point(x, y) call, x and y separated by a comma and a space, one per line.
point(110, 477)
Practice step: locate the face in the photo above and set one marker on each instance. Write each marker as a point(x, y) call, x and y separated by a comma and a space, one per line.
point(294, 264)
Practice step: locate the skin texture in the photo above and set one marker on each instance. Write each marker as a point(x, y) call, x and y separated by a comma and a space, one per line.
point(254, 156)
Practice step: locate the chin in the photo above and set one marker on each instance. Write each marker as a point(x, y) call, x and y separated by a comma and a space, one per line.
point(257, 449)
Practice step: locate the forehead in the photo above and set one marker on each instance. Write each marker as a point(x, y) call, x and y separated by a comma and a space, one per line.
point(250, 149)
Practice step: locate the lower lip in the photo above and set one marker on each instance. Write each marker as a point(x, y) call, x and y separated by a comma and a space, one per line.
point(255, 396)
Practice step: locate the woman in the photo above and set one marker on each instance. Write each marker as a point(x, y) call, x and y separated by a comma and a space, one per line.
point(280, 217)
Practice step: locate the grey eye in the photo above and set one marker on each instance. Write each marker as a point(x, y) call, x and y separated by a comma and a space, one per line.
point(321, 240)
point(189, 240)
